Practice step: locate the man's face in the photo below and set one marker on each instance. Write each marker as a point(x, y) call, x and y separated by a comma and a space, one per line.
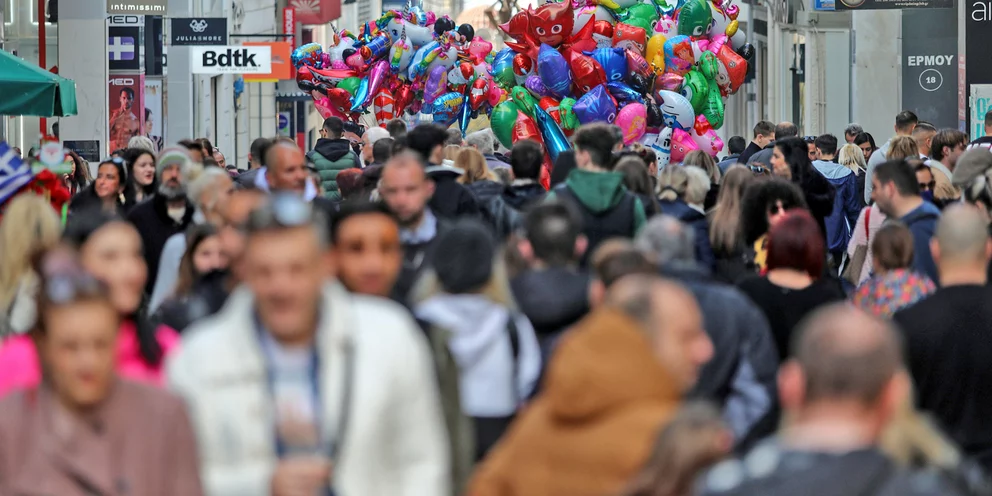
point(811, 149)
point(882, 195)
point(406, 191)
point(368, 254)
point(952, 155)
point(126, 100)
point(763, 140)
point(171, 176)
point(925, 179)
point(582, 158)
point(366, 149)
point(680, 342)
point(285, 271)
point(221, 161)
point(850, 137)
point(288, 172)
point(213, 201)
point(233, 214)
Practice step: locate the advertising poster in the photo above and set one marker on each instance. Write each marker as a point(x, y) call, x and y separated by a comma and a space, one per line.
point(126, 108)
point(154, 118)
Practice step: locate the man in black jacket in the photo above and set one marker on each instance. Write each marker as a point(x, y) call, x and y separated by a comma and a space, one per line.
point(764, 133)
point(526, 159)
point(256, 160)
point(741, 375)
point(450, 199)
point(168, 212)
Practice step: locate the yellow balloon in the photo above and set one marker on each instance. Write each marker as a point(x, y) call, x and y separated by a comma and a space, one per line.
point(656, 49)
point(732, 28)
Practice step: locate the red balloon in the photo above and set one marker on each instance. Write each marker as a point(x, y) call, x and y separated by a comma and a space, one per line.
point(525, 128)
point(518, 25)
point(522, 65)
point(550, 105)
point(340, 100)
point(552, 23)
point(581, 41)
point(480, 93)
point(467, 70)
point(403, 96)
point(586, 73)
point(602, 34)
point(626, 35)
point(736, 70)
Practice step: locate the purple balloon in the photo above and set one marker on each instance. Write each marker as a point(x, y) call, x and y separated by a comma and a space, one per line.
point(537, 87)
point(596, 105)
point(624, 93)
point(554, 71)
point(613, 60)
point(436, 83)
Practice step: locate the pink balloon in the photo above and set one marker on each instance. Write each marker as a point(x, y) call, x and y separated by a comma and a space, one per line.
point(376, 77)
point(668, 81)
point(633, 121)
point(682, 144)
point(436, 83)
point(705, 137)
point(323, 106)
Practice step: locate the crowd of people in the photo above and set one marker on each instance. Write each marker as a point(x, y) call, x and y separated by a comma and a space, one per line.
point(415, 312)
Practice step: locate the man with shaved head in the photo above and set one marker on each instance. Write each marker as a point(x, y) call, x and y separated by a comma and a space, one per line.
point(614, 381)
point(840, 390)
point(949, 334)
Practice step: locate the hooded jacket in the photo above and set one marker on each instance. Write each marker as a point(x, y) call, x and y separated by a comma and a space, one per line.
point(451, 199)
point(330, 157)
point(922, 222)
point(523, 192)
point(847, 205)
point(486, 190)
point(604, 400)
point(599, 194)
point(553, 299)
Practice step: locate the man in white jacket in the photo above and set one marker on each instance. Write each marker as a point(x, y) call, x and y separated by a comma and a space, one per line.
point(298, 387)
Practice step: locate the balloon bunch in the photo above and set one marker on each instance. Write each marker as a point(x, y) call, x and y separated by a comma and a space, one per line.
point(661, 70)
point(410, 60)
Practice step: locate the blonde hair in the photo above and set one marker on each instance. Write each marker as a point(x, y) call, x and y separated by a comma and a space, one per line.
point(902, 147)
point(29, 226)
point(703, 160)
point(911, 440)
point(672, 182)
point(451, 151)
point(852, 157)
point(725, 225)
point(698, 186)
point(473, 163)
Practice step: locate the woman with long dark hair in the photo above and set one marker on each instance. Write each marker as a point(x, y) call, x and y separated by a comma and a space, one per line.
point(866, 143)
point(110, 249)
point(105, 193)
point(203, 256)
point(141, 181)
point(790, 160)
point(80, 176)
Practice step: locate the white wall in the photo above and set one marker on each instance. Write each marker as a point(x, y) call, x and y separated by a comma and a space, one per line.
point(82, 58)
point(877, 81)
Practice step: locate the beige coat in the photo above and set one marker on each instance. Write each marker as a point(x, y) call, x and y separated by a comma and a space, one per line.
point(139, 442)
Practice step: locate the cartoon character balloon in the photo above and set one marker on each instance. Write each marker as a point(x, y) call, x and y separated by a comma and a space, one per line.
point(596, 105)
point(632, 120)
point(675, 108)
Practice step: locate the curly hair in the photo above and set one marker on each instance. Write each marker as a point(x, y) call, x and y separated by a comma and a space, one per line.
point(759, 197)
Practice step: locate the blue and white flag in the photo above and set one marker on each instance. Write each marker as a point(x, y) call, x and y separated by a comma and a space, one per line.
point(14, 173)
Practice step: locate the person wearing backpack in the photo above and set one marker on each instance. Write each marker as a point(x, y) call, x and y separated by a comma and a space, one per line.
point(466, 299)
point(608, 209)
point(331, 155)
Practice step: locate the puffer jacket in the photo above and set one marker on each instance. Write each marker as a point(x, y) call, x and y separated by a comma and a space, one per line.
point(847, 205)
point(330, 157)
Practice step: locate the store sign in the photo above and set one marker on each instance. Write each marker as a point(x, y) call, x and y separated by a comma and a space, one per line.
point(977, 39)
point(281, 63)
point(125, 47)
point(929, 67)
point(232, 60)
point(289, 24)
point(199, 31)
point(892, 4)
point(137, 7)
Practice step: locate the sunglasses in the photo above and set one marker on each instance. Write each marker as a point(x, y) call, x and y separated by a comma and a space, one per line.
point(757, 169)
point(927, 186)
point(65, 281)
point(113, 160)
point(809, 139)
point(283, 210)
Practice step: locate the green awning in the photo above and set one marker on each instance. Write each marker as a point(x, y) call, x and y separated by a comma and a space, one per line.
point(29, 90)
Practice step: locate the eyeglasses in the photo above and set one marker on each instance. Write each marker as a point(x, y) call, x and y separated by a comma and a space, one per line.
point(809, 139)
point(282, 210)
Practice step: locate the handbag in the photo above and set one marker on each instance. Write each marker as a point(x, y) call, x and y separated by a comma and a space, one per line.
point(852, 273)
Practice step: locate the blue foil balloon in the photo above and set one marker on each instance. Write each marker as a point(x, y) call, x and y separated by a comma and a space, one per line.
point(465, 116)
point(554, 138)
point(361, 94)
point(613, 60)
point(311, 55)
point(596, 105)
point(624, 93)
point(446, 108)
point(502, 68)
point(554, 71)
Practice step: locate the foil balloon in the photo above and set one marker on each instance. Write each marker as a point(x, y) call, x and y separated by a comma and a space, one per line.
point(708, 65)
point(537, 87)
point(525, 128)
point(400, 55)
point(695, 18)
point(446, 58)
point(501, 121)
point(336, 53)
point(746, 51)
point(678, 55)
point(675, 108)
point(695, 89)
point(666, 26)
point(502, 68)
point(602, 34)
point(375, 49)
point(305, 79)
point(446, 108)
point(596, 105)
point(553, 69)
point(464, 117)
point(519, 25)
point(633, 121)
point(655, 52)
point(586, 72)
point(436, 84)
point(467, 32)
point(350, 84)
point(705, 137)
point(310, 54)
point(422, 59)
point(733, 68)
point(721, 21)
point(655, 118)
point(579, 42)
point(551, 23)
point(384, 106)
point(554, 138)
point(616, 5)
point(713, 108)
point(682, 144)
point(418, 35)
point(323, 106)
point(403, 97)
point(523, 66)
point(667, 7)
point(552, 107)
point(613, 61)
point(668, 81)
point(662, 146)
point(339, 102)
point(525, 101)
point(479, 93)
point(566, 108)
point(636, 63)
point(640, 83)
point(364, 93)
point(479, 49)
point(623, 93)
point(332, 76)
point(628, 36)
point(443, 25)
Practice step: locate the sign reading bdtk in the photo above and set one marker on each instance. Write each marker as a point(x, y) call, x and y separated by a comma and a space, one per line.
point(232, 60)
point(199, 31)
point(144, 7)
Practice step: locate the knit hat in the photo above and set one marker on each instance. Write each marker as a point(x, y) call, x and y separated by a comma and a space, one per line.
point(971, 164)
point(174, 155)
point(463, 259)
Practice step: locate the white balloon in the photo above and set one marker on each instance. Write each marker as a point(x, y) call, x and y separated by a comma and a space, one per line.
point(418, 35)
point(336, 52)
point(661, 143)
point(676, 110)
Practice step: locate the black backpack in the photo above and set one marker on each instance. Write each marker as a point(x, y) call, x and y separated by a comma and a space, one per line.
point(501, 217)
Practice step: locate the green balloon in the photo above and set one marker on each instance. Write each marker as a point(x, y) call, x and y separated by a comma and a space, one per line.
point(505, 77)
point(695, 18)
point(569, 121)
point(695, 89)
point(713, 109)
point(709, 65)
point(501, 121)
point(350, 84)
point(641, 15)
point(525, 101)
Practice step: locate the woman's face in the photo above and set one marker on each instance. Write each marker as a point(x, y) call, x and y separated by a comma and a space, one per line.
point(113, 255)
point(148, 125)
point(208, 256)
point(866, 149)
point(779, 166)
point(108, 182)
point(776, 213)
point(79, 349)
point(144, 170)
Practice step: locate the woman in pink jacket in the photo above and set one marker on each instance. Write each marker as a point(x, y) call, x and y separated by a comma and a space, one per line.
point(109, 249)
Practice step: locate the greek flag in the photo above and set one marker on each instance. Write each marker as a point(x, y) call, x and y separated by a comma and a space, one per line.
point(14, 173)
